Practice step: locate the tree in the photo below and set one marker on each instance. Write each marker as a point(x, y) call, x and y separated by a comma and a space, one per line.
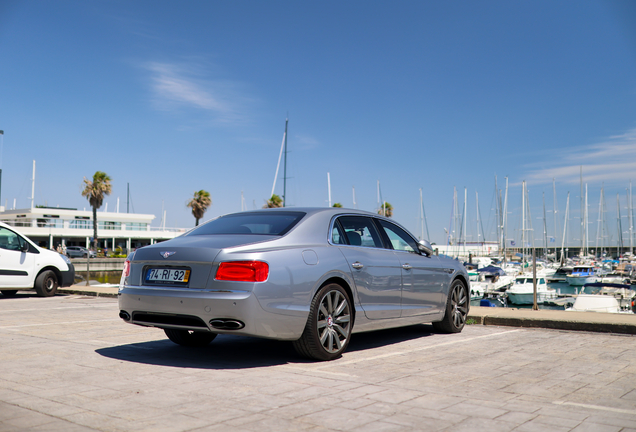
point(274, 202)
point(200, 204)
point(337, 205)
point(386, 210)
point(95, 191)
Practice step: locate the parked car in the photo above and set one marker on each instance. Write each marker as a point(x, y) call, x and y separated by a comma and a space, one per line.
point(307, 275)
point(25, 266)
point(79, 252)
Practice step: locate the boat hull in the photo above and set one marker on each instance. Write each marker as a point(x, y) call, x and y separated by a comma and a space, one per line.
point(528, 298)
point(580, 280)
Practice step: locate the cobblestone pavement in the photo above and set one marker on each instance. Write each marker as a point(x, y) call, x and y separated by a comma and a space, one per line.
point(68, 363)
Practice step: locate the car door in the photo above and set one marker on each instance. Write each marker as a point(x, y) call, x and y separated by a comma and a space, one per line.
point(376, 270)
point(16, 266)
point(424, 279)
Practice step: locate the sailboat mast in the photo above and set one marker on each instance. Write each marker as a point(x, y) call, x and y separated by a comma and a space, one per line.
point(33, 187)
point(477, 206)
point(523, 220)
point(465, 202)
point(631, 220)
point(421, 215)
point(582, 214)
point(555, 209)
point(545, 231)
point(283, 147)
point(505, 220)
point(285, 168)
point(565, 227)
point(602, 219)
point(428, 235)
point(619, 225)
point(599, 225)
point(329, 188)
point(586, 228)
point(354, 197)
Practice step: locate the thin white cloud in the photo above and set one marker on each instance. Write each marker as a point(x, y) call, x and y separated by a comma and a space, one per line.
point(306, 141)
point(182, 86)
point(610, 161)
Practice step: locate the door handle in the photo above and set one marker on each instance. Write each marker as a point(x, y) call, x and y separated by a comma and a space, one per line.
point(357, 265)
point(406, 266)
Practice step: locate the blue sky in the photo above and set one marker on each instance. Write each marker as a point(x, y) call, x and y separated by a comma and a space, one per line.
point(173, 97)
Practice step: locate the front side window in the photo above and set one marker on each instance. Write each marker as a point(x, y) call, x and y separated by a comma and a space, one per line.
point(10, 240)
point(399, 239)
point(263, 223)
point(360, 231)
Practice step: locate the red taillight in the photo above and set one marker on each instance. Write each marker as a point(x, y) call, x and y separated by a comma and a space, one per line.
point(126, 271)
point(243, 271)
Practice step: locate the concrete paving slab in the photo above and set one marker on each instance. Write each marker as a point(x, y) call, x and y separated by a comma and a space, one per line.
point(70, 364)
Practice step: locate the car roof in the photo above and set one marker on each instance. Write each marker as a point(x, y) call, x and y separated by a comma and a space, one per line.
point(310, 210)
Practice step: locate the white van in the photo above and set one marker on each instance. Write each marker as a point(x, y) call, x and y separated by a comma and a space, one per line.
point(25, 266)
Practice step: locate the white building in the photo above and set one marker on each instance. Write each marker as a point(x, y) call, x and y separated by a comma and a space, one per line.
point(51, 226)
point(467, 249)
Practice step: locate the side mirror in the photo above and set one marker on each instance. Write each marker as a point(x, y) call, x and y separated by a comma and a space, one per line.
point(425, 246)
point(24, 247)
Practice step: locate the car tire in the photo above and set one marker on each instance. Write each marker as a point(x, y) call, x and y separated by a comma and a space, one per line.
point(9, 293)
point(456, 310)
point(328, 329)
point(190, 338)
point(46, 284)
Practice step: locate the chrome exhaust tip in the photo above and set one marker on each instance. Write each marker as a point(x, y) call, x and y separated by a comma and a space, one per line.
point(226, 324)
point(124, 315)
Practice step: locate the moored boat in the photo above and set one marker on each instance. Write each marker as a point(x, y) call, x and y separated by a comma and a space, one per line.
point(581, 274)
point(522, 291)
point(605, 297)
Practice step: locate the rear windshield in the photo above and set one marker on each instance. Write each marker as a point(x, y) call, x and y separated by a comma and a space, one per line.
point(264, 223)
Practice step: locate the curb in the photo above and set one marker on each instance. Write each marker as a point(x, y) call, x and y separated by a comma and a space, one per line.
point(87, 293)
point(555, 324)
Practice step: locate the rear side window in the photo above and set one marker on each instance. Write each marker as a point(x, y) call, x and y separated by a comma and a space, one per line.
point(360, 231)
point(263, 223)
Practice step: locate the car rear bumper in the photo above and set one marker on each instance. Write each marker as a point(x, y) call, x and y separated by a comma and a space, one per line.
point(194, 309)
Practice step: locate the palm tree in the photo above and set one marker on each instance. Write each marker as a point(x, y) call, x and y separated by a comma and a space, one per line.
point(274, 202)
point(386, 210)
point(337, 205)
point(95, 191)
point(200, 204)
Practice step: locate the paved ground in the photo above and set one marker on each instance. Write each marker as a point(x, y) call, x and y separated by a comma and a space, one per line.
point(68, 363)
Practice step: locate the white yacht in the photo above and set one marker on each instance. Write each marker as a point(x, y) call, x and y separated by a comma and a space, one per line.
point(581, 274)
point(522, 291)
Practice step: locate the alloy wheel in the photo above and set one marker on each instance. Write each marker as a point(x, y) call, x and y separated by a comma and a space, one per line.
point(334, 321)
point(459, 305)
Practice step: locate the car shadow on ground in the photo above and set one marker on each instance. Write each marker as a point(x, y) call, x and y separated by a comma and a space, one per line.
point(19, 295)
point(237, 352)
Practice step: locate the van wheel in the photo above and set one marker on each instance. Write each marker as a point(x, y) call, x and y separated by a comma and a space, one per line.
point(9, 293)
point(46, 284)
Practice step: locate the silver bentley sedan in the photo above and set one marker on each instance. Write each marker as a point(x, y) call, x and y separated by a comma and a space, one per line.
point(308, 275)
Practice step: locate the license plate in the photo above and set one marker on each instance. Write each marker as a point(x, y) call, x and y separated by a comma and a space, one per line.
point(164, 275)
